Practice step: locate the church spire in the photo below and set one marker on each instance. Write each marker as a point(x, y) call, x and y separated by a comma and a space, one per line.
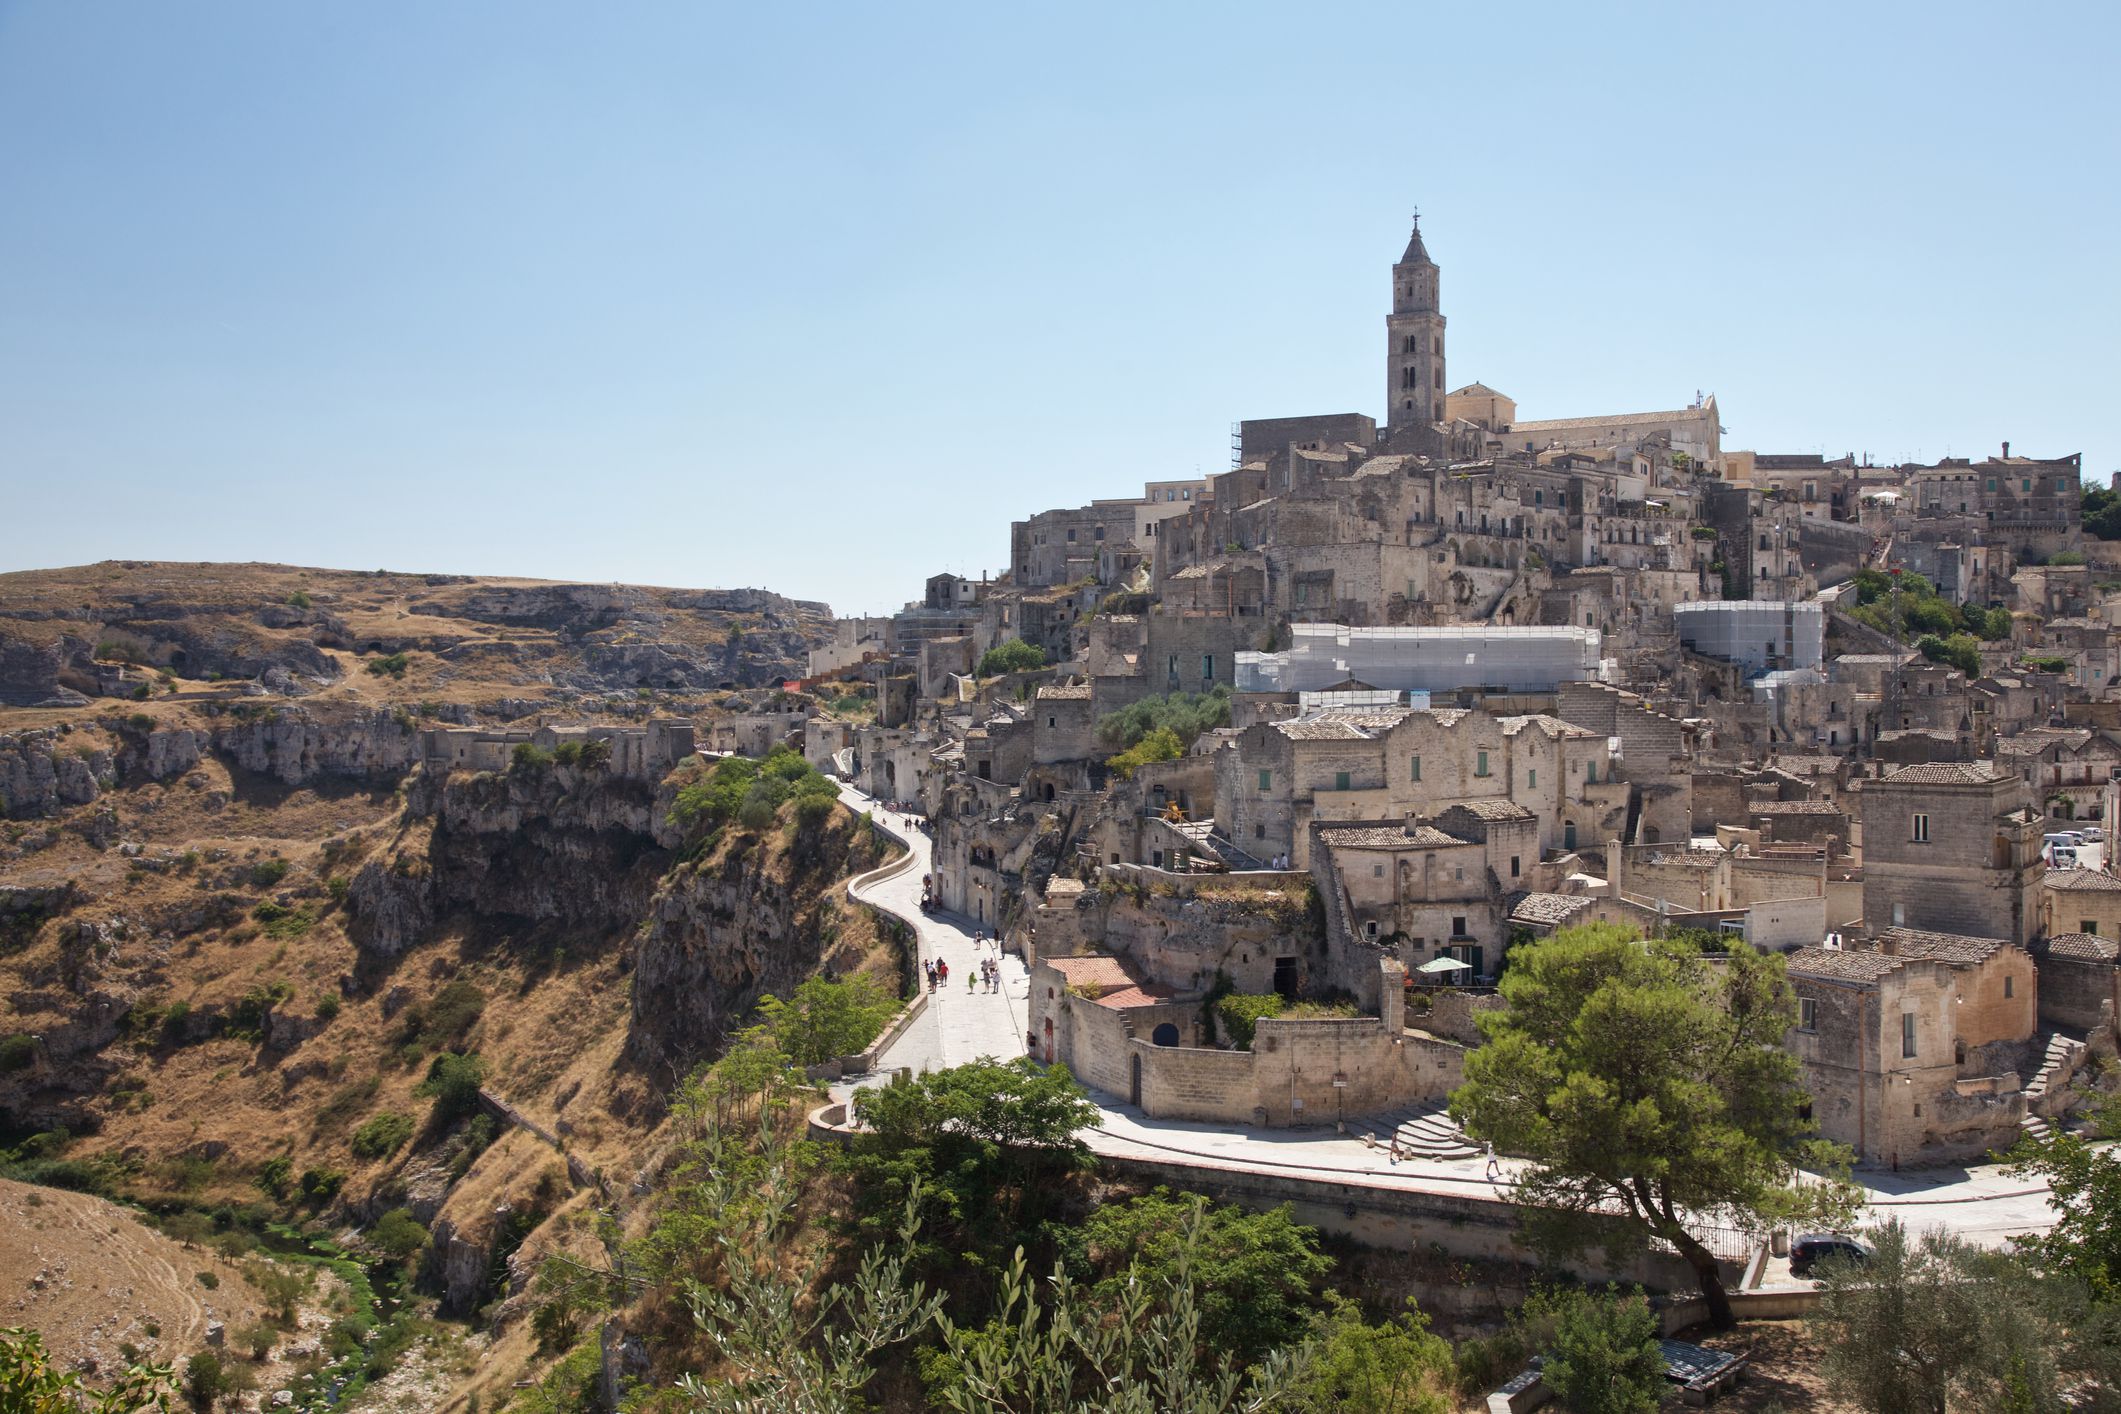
point(1414, 358)
point(1417, 253)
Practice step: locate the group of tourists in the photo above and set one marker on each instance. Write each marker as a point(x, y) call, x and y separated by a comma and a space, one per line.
point(986, 973)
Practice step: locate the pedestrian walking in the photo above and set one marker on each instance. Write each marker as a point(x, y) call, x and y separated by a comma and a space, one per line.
point(971, 982)
point(928, 968)
point(1493, 1167)
point(942, 970)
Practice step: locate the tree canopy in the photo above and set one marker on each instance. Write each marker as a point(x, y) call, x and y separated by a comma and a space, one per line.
point(1011, 656)
point(1651, 1091)
point(1185, 714)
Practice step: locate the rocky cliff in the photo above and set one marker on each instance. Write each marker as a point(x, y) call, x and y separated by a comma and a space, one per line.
point(111, 630)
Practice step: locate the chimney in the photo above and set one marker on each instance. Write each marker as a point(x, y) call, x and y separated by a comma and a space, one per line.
point(2006, 451)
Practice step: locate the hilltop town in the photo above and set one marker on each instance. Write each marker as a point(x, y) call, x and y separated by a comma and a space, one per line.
point(1472, 677)
point(452, 922)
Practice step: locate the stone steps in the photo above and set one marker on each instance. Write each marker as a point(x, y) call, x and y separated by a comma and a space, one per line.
point(1429, 1133)
point(2035, 1127)
point(2057, 1053)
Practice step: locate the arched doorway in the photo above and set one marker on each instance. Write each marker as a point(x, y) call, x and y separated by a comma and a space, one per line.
point(1049, 1040)
point(1166, 1034)
point(1568, 834)
point(1134, 1080)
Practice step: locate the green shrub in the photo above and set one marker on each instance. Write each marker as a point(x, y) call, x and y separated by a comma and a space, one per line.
point(273, 1175)
point(321, 1185)
point(207, 1280)
point(392, 666)
point(18, 1052)
point(327, 1007)
point(1159, 745)
point(142, 692)
point(1240, 1012)
point(1185, 714)
point(1605, 1358)
point(338, 886)
point(382, 1135)
point(398, 1233)
point(526, 759)
point(453, 1081)
point(298, 600)
point(268, 872)
point(1012, 656)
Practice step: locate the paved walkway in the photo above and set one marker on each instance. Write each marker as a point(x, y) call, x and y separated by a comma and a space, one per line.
point(957, 1026)
point(1980, 1203)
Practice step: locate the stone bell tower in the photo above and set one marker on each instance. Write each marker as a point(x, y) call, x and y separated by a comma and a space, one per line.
point(1414, 357)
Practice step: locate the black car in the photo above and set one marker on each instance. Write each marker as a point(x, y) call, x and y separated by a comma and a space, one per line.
point(1814, 1248)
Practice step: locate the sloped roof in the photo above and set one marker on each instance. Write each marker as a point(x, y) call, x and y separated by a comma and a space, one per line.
point(1065, 692)
point(1114, 983)
point(1842, 965)
point(2080, 947)
point(2082, 881)
point(1954, 948)
point(1387, 837)
point(1547, 910)
point(1949, 773)
point(1494, 808)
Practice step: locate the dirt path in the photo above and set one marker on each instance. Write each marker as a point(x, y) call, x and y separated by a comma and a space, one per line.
point(89, 1275)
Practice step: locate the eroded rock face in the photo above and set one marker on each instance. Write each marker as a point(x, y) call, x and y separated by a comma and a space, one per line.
point(298, 744)
point(714, 943)
point(40, 772)
point(29, 675)
point(576, 846)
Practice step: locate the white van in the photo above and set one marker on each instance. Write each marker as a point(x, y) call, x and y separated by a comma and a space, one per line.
point(2065, 838)
point(2061, 856)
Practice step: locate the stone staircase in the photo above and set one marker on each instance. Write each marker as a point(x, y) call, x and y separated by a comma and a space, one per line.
point(1206, 841)
point(2035, 1128)
point(2061, 1051)
point(1426, 1132)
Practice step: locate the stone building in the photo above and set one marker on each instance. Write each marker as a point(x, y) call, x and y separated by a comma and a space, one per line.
point(2080, 982)
point(1387, 764)
point(1953, 848)
point(2080, 901)
point(1913, 1052)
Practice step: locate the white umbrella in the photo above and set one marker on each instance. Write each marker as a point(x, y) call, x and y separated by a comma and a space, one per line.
point(1444, 964)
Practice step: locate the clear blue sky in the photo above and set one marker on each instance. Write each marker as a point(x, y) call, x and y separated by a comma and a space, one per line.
point(821, 297)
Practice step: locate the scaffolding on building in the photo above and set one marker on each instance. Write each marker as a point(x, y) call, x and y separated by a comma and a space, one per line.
point(1478, 657)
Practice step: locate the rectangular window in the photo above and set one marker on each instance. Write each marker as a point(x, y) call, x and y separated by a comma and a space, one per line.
point(1992, 483)
point(1807, 1014)
point(1377, 871)
point(1907, 1035)
point(1071, 537)
point(1922, 828)
point(1174, 667)
point(1266, 780)
point(1207, 667)
point(1417, 770)
point(1458, 926)
point(2028, 483)
point(1513, 865)
point(1052, 722)
point(2087, 925)
point(1340, 780)
point(2009, 989)
point(1531, 779)
point(1480, 767)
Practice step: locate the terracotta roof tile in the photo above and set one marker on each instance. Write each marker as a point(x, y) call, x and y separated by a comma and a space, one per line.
point(2075, 881)
point(1841, 964)
point(1954, 948)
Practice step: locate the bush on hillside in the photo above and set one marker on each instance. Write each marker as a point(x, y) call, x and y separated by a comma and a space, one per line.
point(1160, 745)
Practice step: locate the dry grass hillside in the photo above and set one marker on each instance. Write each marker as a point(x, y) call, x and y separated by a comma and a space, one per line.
point(201, 1022)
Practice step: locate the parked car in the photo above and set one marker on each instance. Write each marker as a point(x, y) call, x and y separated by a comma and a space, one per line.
point(2093, 834)
point(2061, 856)
point(1813, 1248)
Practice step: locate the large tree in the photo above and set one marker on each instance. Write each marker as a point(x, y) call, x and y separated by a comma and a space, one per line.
point(1650, 1089)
